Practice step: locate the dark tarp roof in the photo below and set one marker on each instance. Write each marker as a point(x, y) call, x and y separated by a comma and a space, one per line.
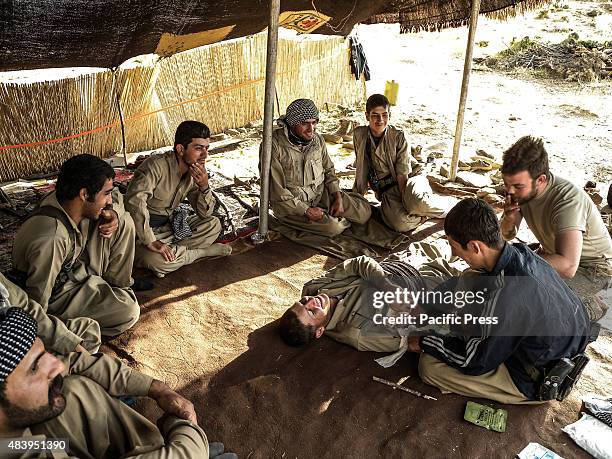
point(415, 15)
point(105, 33)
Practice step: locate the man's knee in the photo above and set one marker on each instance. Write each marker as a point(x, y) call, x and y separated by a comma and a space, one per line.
point(125, 317)
point(429, 369)
point(335, 226)
point(401, 222)
point(132, 313)
point(363, 214)
point(357, 207)
point(148, 259)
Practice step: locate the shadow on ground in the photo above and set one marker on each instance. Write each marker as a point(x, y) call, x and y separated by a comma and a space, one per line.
point(320, 401)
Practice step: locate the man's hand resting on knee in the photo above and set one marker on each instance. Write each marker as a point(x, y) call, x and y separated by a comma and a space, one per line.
point(160, 247)
point(314, 214)
point(337, 208)
point(171, 402)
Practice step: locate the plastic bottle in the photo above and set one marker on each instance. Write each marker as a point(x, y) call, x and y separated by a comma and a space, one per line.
point(391, 90)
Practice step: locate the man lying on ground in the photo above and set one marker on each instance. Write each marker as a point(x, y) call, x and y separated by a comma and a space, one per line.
point(340, 303)
point(167, 237)
point(304, 190)
point(74, 255)
point(42, 397)
point(526, 318)
point(572, 235)
point(383, 164)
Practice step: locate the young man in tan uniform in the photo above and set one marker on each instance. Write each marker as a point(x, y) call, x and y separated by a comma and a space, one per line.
point(572, 235)
point(304, 190)
point(383, 164)
point(76, 252)
point(342, 298)
point(42, 397)
point(78, 334)
point(153, 198)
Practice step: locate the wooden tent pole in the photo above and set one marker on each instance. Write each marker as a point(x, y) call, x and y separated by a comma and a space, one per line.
point(467, 68)
point(269, 97)
point(123, 145)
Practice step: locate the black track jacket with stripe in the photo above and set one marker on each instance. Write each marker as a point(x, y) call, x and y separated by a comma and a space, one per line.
point(539, 319)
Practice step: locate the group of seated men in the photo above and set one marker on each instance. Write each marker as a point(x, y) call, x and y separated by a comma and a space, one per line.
point(544, 302)
point(304, 190)
point(73, 260)
point(72, 284)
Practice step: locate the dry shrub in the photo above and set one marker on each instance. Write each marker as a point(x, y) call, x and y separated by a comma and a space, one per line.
point(572, 59)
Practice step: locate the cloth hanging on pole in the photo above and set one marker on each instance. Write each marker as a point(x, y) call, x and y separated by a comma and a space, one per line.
point(359, 62)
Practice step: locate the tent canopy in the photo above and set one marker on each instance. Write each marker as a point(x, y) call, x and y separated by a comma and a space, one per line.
point(105, 33)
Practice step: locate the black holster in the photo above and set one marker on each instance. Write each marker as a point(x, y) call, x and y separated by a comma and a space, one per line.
point(17, 277)
point(561, 378)
point(155, 221)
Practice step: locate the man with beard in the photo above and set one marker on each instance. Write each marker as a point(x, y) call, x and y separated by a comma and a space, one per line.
point(74, 254)
point(167, 237)
point(304, 190)
point(572, 235)
point(42, 398)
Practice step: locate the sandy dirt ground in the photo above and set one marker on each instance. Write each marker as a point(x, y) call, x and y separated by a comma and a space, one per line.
point(574, 118)
point(209, 329)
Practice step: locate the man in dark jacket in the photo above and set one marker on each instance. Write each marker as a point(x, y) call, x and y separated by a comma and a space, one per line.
point(521, 321)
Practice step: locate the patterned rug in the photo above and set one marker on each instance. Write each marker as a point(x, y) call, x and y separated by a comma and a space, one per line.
point(234, 207)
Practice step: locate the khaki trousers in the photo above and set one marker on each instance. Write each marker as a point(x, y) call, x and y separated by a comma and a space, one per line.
point(101, 427)
point(88, 330)
point(403, 212)
point(394, 213)
point(205, 231)
point(495, 385)
point(105, 294)
point(586, 283)
point(356, 209)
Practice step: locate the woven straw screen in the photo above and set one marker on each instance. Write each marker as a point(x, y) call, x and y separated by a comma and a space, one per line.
point(221, 85)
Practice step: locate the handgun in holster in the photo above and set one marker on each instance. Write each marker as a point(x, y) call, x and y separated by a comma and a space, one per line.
point(559, 381)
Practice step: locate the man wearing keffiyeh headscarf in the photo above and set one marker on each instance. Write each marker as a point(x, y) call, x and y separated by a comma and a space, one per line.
point(304, 189)
point(43, 397)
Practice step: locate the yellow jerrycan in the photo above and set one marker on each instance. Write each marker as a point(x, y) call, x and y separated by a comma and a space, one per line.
point(391, 90)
